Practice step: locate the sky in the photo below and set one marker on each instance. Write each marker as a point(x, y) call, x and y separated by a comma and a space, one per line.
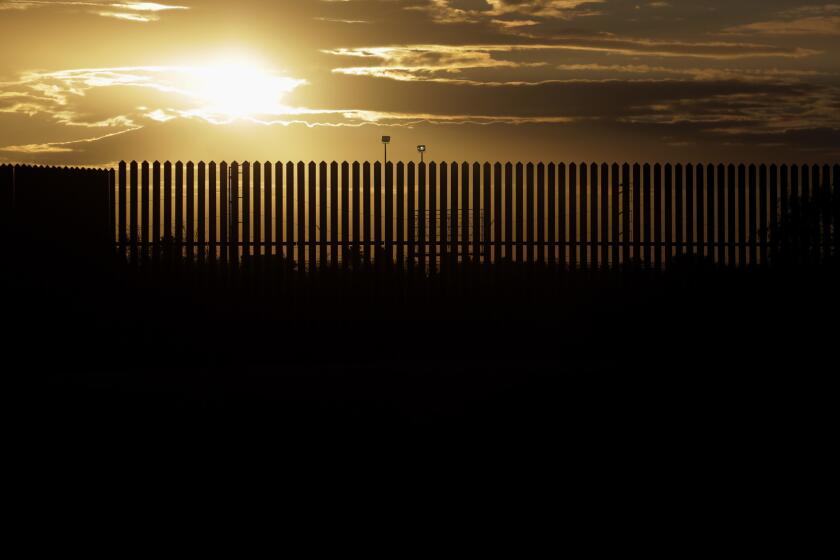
point(92, 83)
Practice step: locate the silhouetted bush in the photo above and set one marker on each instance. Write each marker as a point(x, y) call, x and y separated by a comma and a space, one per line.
point(805, 234)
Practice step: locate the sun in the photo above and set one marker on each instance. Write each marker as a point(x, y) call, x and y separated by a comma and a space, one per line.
point(231, 90)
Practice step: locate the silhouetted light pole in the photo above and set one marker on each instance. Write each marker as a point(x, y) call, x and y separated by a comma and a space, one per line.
point(421, 148)
point(385, 141)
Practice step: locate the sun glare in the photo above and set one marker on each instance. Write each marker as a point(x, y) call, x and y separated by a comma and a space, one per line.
point(227, 91)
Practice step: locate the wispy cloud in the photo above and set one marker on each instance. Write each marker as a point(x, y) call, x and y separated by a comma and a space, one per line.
point(195, 91)
point(754, 75)
point(339, 20)
point(754, 113)
point(36, 149)
point(446, 11)
point(413, 119)
point(805, 20)
point(445, 63)
point(58, 147)
point(142, 12)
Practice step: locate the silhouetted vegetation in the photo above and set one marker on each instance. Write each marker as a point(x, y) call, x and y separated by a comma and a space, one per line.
point(806, 233)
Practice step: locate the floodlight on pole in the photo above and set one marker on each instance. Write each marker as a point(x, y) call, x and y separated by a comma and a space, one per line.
point(421, 148)
point(385, 141)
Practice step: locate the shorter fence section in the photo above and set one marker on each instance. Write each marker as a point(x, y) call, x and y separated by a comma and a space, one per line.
point(47, 211)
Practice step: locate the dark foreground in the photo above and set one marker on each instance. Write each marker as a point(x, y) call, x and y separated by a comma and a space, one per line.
point(515, 352)
point(624, 409)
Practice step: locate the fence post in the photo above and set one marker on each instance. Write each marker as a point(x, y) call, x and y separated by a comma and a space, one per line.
point(774, 212)
point(710, 212)
point(762, 213)
point(583, 222)
point(509, 211)
point(290, 217)
point(202, 209)
point(835, 207)
point(752, 219)
point(191, 210)
point(453, 209)
point(145, 220)
point(646, 215)
point(421, 209)
point(573, 213)
point(657, 216)
point(357, 214)
point(825, 193)
point(367, 214)
point(444, 213)
point(224, 226)
point(731, 213)
point(300, 193)
point(678, 209)
point(528, 215)
point(167, 207)
point(411, 215)
point(814, 222)
point(344, 187)
point(605, 215)
point(721, 213)
point(552, 214)
point(742, 216)
point(400, 215)
point(213, 211)
point(377, 208)
point(334, 210)
point(323, 221)
point(637, 213)
point(246, 213)
point(699, 192)
point(112, 206)
point(122, 213)
point(616, 211)
point(156, 211)
point(268, 211)
point(540, 237)
point(530, 248)
point(134, 200)
point(689, 208)
point(594, 212)
point(233, 216)
point(279, 211)
point(669, 214)
point(804, 218)
point(433, 218)
point(256, 209)
point(789, 191)
point(518, 214)
point(562, 213)
point(487, 212)
point(476, 212)
point(389, 211)
point(312, 213)
point(625, 213)
point(465, 215)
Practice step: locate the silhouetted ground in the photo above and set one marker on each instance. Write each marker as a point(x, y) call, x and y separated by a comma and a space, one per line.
point(519, 353)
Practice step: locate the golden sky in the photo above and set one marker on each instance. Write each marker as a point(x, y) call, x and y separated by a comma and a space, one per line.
point(94, 82)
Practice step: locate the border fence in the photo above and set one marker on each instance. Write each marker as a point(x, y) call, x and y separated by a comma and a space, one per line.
point(56, 211)
point(422, 215)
